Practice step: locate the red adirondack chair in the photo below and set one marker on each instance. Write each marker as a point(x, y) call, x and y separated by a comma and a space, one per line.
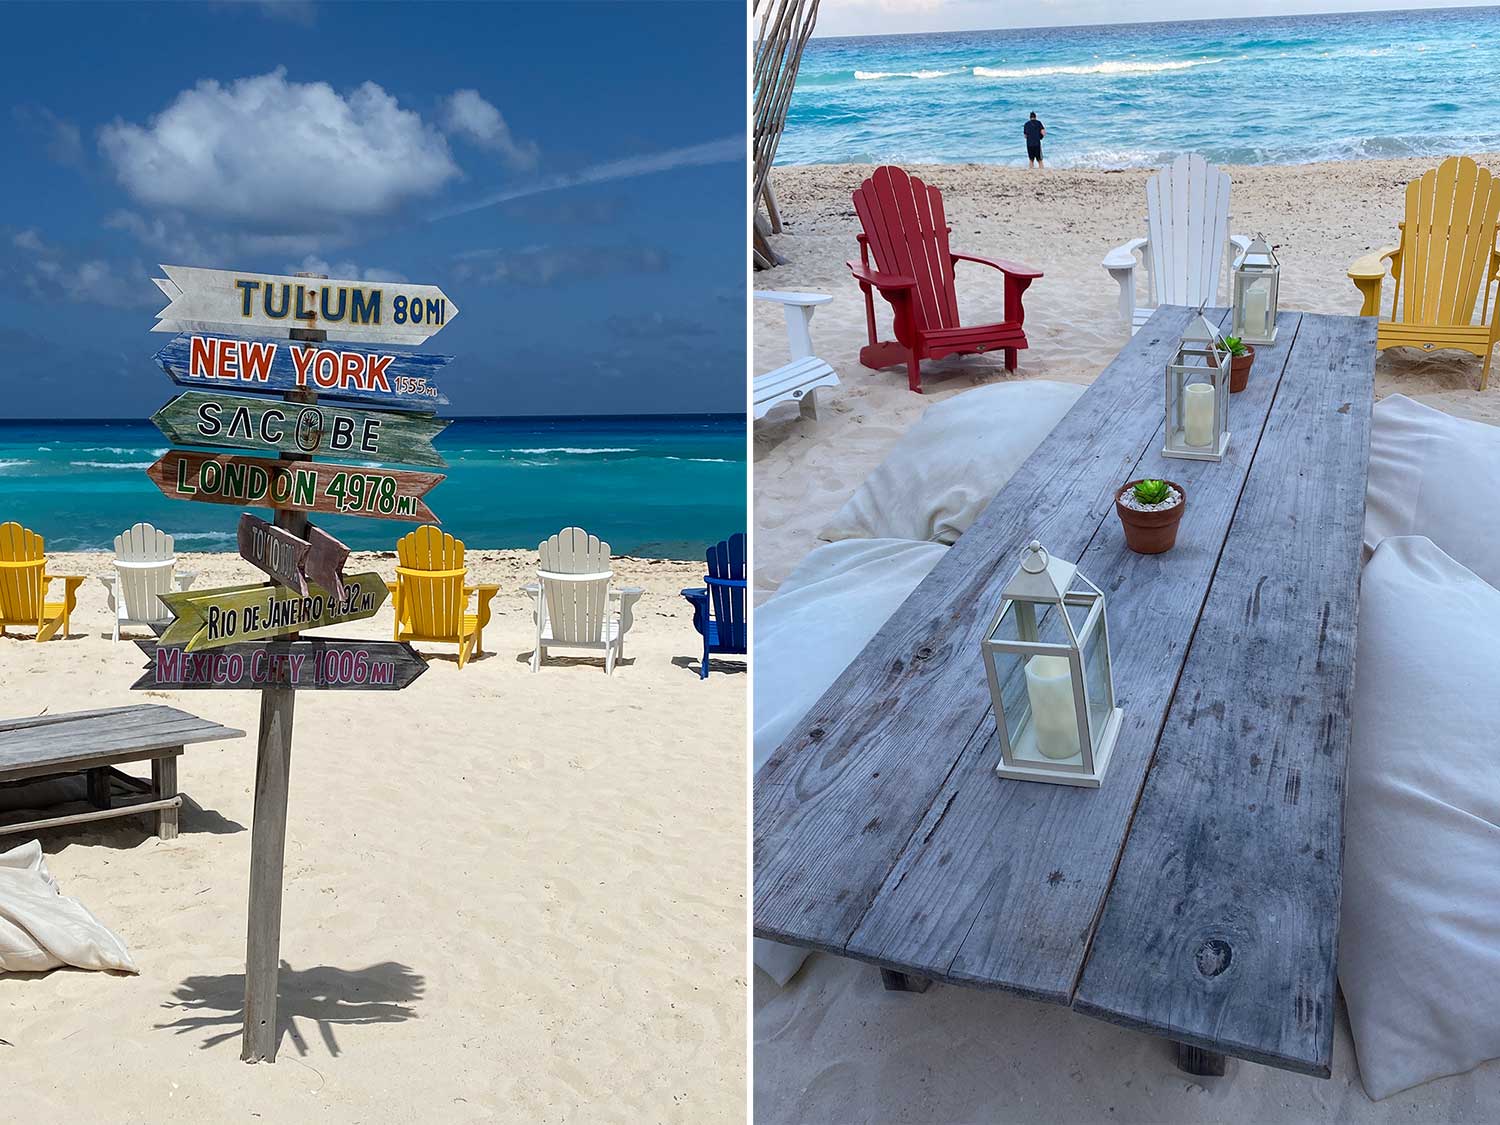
point(905, 228)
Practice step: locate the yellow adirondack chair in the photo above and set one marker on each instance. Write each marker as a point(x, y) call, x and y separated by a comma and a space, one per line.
point(1445, 257)
point(429, 595)
point(23, 585)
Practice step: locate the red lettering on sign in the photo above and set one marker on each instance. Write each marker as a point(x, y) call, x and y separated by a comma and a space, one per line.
point(378, 364)
point(302, 360)
point(255, 360)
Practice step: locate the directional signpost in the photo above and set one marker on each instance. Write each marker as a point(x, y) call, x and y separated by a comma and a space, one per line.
point(249, 389)
point(390, 380)
point(309, 664)
point(294, 486)
point(255, 304)
point(244, 422)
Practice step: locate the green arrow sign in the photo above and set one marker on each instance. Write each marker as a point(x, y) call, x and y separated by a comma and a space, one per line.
point(270, 425)
point(214, 618)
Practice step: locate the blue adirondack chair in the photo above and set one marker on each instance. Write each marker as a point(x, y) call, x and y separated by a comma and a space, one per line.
point(719, 607)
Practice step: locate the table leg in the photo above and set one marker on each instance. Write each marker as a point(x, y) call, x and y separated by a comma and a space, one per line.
point(1195, 1060)
point(903, 982)
point(98, 786)
point(164, 782)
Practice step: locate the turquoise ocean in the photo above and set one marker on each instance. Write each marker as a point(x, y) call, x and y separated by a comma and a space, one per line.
point(1270, 90)
point(659, 487)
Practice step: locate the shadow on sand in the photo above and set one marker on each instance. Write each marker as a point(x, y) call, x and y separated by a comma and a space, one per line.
point(323, 995)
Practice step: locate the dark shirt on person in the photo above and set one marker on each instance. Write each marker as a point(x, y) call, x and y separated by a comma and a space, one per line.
point(1033, 131)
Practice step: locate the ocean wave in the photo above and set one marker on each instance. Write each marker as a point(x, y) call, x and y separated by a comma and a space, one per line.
point(121, 449)
point(876, 75)
point(704, 460)
point(13, 464)
point(205, 537)
point(111, 464)
point(570, 449)
point(1105, 68)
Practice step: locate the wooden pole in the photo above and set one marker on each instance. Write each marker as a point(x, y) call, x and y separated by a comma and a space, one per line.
point(268, 830)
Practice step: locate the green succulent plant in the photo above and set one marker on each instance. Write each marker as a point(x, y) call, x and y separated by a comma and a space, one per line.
point(1235, 345)
point(1150, 491)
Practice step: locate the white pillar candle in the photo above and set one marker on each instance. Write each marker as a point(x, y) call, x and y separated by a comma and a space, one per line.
point(1198, 413)
point(1049, 687)
point(1255, 310)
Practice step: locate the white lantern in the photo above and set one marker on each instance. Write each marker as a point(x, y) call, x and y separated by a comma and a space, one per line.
point(1197, 395)
point(1255, 284)
point(1047, 657)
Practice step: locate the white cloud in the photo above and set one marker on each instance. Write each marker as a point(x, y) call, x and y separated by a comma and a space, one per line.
point(29, 240)
point(280, 157)
point(468, 115)
point(49, 274)
point(540, 266)
point(346, 271)
point(725, 150)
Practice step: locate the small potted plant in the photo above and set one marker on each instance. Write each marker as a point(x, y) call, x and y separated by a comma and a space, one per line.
point(1150, 510)
point(1239, 366)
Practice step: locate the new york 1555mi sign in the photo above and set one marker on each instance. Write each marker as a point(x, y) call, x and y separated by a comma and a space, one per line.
point(297, 486)
point(250, 303)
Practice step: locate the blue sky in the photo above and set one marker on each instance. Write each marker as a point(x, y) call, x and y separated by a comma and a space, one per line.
point(571, 174)
point(899, 17)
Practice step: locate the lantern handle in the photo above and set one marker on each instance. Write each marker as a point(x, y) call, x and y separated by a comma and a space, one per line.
point(1036, 558)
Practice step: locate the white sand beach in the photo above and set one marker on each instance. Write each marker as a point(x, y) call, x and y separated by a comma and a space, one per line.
point(1320, 216)
point(508, 896)
point(832, 1044)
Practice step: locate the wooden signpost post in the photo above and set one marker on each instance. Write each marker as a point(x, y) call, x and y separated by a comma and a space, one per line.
point(248, 637)
point(294, 485)
point(309, 664)
point(389, 380)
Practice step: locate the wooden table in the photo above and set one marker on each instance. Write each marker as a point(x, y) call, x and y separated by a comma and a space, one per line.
point(1194, 895)
point(94, 743)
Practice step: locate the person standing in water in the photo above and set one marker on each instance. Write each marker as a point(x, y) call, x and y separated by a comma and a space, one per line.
point(1034, 131)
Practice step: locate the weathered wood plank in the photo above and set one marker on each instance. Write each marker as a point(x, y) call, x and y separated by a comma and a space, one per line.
point(295, 486)
point(389, 380)
point(1004, 879)
point(206, 619)
point(271, 425)
point(839, 800)
point(304, 664)
point(1221, 928)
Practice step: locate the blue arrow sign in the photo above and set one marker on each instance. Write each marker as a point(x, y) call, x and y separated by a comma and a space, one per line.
point(393, 380)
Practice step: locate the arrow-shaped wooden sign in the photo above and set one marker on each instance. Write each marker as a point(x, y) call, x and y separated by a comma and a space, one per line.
point(390, 380)
point(308, 664)
point(290, 560)
point(297, 486)
point(213, 618)
point(273, 426)
point(252, 303)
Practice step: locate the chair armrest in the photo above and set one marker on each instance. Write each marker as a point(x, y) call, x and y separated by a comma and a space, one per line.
point(1123, 257)
point(184, 579)
point(696, 593)
point(485, 590)
point(70, 582)
point(1241, 242)
point(1010, 269)
point(393, 587)
point(881, 281)
point(791, 298)
point(532, 588)
point(626, 592)
point(1372, 265)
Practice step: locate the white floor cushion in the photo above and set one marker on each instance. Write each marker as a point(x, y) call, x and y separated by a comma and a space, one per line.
point(807, 633)
point(945, 470)
point(41, 928)
point(1419, 957)
point(1437, 476)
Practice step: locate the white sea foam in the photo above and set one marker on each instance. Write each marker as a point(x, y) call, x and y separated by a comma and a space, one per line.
point(205, 537)
point(707, 460)
point(12, 464)
point(571, 449)
point(876, 75)
point(111, 464)
point(1106, 68)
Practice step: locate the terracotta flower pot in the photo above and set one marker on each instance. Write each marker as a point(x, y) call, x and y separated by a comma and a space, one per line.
point(1150, 533)
point(1239, 369)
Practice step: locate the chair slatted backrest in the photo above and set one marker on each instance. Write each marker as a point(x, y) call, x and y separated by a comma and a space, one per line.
point(577, 609)
point(23, 563)
point(907, 233)
point(430, 568)
point(1187, 226)
point(145, 562)
point(726, 563)
point(1451, 214)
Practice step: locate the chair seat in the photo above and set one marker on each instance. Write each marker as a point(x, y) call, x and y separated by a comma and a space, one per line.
point(979, 337)
point(716, 644)
point(1473, 338)
point(608, 634)
point(792, 381)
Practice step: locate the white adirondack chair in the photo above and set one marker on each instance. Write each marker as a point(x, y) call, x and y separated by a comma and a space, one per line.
point(145, 567)
point(576, 606)
point(799, 380)
point(1187, 231)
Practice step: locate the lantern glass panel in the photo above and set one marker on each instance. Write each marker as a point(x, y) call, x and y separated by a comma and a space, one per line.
point(1097, 684)
point(1033, 676)
point(1255, 305)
